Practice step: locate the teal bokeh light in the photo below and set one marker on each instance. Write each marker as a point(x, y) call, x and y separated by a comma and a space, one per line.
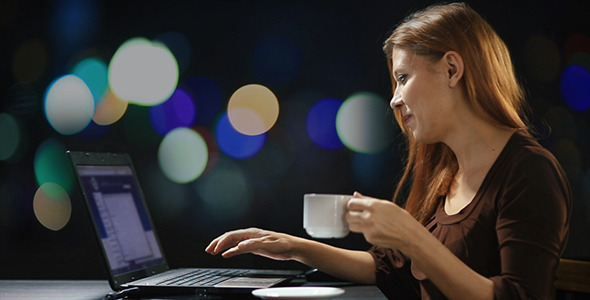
point(226, 191)
point(10, 136)
point(95, 74)
point(52, 165)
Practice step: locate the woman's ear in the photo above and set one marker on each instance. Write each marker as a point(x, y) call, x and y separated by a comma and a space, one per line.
point(455, 67)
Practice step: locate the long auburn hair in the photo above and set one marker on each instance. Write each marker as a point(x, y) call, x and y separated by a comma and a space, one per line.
point(489, 80)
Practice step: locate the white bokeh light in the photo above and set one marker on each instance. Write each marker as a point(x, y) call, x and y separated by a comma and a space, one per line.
point(69, 105)
point(183, 155)
point(143, 72)
point(363, 123)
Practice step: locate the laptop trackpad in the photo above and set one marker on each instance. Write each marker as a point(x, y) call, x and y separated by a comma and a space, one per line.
point(249, 282)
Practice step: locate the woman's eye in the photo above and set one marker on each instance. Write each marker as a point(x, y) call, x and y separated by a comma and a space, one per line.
point(402, 78)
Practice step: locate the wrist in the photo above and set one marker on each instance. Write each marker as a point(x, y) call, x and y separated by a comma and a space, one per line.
point(298, 247)
point(418, 240)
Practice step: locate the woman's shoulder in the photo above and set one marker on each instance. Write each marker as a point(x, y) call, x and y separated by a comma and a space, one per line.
point(527, 169)
point(523, 152)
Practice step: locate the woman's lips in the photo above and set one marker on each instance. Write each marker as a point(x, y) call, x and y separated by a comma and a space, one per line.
point(406, 118)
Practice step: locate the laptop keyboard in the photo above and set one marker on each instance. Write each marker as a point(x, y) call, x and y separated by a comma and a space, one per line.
point(201, 277)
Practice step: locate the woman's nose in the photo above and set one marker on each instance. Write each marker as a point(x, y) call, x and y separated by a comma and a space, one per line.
point(396, 102)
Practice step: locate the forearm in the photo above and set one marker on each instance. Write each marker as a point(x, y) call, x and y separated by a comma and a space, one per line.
point(453, 277)
point(350, 265)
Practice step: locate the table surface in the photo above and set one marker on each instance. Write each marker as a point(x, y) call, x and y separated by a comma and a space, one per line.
point(97, 289)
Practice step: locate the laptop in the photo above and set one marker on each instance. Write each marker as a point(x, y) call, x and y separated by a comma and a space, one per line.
point(130, 246)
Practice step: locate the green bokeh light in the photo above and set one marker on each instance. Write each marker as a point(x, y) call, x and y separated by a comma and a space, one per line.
point(225, 191)
point(9, 136)
point(52, 165)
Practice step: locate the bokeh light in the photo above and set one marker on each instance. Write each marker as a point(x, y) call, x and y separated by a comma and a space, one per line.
point(94, 73)
point(271, 165)
point(372, 170)
point(363, 123)
point(293, 123)
point(69, 105)
point(10, 136)
point(321, 123)
point(212, 148)
point(253, 109)
point(93, 132)
point(206, 95)
point(143, 72)
point(53, 165)
point(179, 46)
point(576, 43)
point(178, 111)
point(225, 191)
point(29, 61)
point(137, 129)
point(110, 109)
point(22, 101)
point(276, 61)
point(581, 59)
point(236, 144)
point(561, 123)
point(567, 153)
point(542, 58)
point(73, 23)
point(575, 88)
point(183, 155)
point(169, 198)
point(52, 206)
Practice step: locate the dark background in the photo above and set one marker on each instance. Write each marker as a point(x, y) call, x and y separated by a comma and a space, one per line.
point(340, 47)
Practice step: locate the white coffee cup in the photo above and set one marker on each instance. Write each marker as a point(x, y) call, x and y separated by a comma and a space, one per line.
point(324, 215)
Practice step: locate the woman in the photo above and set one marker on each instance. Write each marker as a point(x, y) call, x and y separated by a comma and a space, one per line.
point(487, 214)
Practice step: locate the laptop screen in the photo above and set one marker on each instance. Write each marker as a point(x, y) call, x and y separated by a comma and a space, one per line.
point(121, 219)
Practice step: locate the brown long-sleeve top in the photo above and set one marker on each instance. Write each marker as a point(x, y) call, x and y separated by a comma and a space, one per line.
point(513, 231)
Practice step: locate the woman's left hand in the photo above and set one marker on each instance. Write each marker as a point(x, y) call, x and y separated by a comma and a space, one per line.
point(382, 222)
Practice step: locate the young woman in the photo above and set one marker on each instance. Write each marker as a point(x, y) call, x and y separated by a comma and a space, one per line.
point(488, 210)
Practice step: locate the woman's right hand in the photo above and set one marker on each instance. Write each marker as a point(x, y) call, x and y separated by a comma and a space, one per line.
point(352, 265)
point(265, 243)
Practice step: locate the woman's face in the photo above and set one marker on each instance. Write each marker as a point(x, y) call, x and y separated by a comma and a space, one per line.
point(421, 95)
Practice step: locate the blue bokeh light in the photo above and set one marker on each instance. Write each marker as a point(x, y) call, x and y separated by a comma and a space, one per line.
point(575, 88)
point(235, 144)
point(74, 23)
point(276, 61)
point(177, 111)
point(93, 131)
point(321, 123)
point(206, 95)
